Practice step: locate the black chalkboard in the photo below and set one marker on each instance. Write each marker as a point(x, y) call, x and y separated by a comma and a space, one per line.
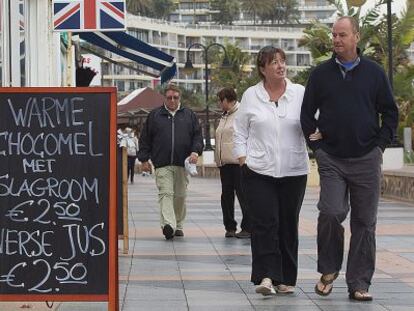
point(55, 173)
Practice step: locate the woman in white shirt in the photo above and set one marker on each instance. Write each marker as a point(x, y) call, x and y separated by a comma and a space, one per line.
point(132, 149)
point(270, 147)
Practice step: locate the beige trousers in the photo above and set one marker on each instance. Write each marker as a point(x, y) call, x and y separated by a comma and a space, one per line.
point(172, 182)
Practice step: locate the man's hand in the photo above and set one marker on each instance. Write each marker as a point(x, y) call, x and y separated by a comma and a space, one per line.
point(315, 136)
point(193, 158)
point(146, 167)
point(242, 161)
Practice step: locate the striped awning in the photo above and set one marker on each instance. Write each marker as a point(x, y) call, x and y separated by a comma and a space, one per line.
point(125, 45)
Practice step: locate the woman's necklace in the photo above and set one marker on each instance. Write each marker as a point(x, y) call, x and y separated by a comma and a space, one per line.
point(276, 92)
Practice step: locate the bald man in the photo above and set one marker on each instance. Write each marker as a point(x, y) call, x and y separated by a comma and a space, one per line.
point(357, 118)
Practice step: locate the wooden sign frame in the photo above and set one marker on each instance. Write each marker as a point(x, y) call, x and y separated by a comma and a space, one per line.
point(125, 226)
point(112, 296)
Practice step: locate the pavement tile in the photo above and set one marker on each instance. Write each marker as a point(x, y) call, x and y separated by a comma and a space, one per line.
point(287, 307)
point(205, 271)
point(154, 304)
point(83, 306)
point(30, 306)
point(355, 306)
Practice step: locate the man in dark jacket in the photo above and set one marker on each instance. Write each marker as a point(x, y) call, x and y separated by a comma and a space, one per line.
point(170, 135)
point(356, 119)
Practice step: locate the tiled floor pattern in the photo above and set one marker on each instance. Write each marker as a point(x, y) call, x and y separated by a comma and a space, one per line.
point(205, 271)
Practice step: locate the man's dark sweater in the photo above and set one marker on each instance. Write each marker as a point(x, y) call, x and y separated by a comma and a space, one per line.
point(350, 108)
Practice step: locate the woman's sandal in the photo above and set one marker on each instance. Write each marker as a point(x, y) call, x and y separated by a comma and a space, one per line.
point(327, 282)
point(360, 295)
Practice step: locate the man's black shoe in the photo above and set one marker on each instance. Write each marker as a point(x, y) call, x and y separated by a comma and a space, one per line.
point(168, 232)
point(243, 235)
point(179, 232)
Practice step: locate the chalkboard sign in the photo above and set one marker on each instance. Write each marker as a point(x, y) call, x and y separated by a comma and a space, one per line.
point(57, 194)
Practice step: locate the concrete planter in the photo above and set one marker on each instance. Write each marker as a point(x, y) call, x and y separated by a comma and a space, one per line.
point(393, 158)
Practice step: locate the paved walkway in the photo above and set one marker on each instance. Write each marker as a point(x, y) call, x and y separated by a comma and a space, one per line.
point(205, 271)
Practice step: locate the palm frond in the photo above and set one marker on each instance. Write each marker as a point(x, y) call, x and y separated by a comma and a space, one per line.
point(405, 29)
point(339, 6)
point(372, 15)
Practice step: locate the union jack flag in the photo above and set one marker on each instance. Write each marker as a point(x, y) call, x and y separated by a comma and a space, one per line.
point(88, 15)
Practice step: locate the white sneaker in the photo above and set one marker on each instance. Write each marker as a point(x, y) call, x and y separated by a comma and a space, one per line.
point(266, 287)
point(285, 289)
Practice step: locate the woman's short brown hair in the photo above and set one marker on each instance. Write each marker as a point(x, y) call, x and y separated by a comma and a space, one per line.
point(266, 55)
point(227, 93)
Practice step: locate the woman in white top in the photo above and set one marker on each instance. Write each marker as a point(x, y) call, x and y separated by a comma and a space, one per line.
point(270, 147)
point(132, 149)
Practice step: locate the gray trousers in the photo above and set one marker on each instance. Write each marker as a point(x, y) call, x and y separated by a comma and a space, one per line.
point(350, 183)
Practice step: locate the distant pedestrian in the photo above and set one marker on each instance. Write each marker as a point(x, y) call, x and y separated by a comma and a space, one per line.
point(132, 150)
point(357, 119)
point(271, 149)
point(230, 172)
point(171, 134)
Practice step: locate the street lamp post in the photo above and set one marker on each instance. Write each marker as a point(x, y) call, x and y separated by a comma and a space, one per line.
point(389, 40)
point(394, 141)
point(189, 68)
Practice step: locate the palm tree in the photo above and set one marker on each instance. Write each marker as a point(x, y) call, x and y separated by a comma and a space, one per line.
point(280, 12)
point(403, 35)
point(250, 7)
point(161, 9)
point(373, 34)
point(256, 8)
point(318, 41)
point(139, 7)
point(373, 43)
point(290, 12)
point(228, 11)
point(404, 95)
point(151, 8)
point(238, 76)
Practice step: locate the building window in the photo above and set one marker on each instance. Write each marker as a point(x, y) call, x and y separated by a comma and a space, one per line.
point(186, 6)
point(121, 86)
point(139, 34)
point(132, 85)
point(156, 37)
point(314, 3)
point(174, 18)
point(202, 18)
point(290, 60)
point(318, 15)
point(288, 44)
point(303, 59)
point(105, 68)
point(118, 69)
point(187, 19)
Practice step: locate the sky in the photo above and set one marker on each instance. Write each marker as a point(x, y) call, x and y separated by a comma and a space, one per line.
point(396, 6)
